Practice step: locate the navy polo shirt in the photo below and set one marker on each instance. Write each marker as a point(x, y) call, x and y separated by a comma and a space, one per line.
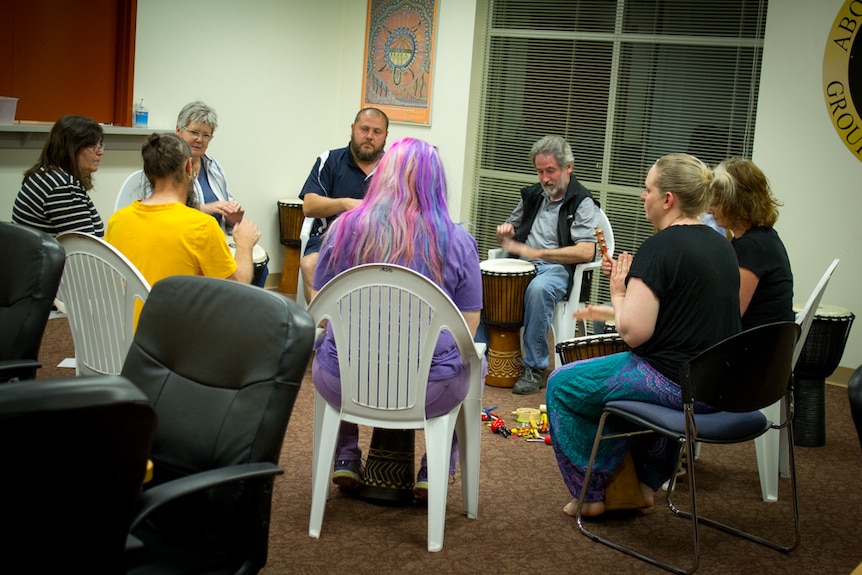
point(335, 175)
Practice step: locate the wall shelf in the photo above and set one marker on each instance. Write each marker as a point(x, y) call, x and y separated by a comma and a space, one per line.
point(32, 135)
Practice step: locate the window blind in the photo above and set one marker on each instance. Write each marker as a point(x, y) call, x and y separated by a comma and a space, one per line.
point(624, 82)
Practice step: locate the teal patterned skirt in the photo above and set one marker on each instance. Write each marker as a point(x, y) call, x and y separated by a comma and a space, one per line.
point(576, 394)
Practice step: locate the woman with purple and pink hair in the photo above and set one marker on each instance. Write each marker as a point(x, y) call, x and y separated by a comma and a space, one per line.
point(404, 220)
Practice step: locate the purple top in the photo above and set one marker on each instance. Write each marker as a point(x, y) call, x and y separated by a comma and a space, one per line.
point(462, 282)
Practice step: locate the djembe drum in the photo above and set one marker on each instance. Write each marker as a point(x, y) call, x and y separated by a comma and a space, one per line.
point(388, 476)
point(290, 218)
point(820, 355)
point(504, 284)
point(259, 259)
point(590, 346)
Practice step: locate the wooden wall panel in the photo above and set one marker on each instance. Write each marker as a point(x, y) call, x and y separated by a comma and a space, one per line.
point(70, 57)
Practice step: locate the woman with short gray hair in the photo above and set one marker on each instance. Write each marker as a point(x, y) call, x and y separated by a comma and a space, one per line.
point(196, 124)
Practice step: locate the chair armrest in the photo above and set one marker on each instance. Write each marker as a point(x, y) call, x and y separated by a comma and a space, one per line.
point(158, 495)
point(10, 368)
point(494, 253)
point(582, 267)
point(319, 333)
point(305, 230)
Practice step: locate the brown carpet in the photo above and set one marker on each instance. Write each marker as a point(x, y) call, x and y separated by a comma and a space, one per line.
point(521, 528)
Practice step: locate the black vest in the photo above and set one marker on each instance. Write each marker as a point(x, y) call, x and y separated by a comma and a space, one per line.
point(532, 198)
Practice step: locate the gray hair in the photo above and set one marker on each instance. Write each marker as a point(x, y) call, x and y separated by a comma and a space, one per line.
point(197, 111)
point(553, 146)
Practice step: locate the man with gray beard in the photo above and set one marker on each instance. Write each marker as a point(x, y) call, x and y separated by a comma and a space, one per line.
point(553, 227)
point(338, 181)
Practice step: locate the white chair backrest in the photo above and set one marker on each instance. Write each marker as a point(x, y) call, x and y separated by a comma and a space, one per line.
point(100, 289)
point(386, 320)
point(304, 234)
point(136, 187)
point(806, 315)
point(608, 230)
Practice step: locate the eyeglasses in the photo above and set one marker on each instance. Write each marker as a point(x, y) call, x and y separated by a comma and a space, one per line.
point(100, 147)
point(205, 136)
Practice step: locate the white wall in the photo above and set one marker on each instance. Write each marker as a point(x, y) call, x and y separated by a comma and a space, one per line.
point(810, 169)
point(285, 77)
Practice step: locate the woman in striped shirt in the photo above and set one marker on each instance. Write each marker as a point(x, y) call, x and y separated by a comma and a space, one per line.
point(54, 194)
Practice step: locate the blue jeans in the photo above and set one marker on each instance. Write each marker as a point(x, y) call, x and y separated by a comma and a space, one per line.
point(543, 293)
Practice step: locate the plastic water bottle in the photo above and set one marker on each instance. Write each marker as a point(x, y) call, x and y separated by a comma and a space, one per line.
point(141, 115)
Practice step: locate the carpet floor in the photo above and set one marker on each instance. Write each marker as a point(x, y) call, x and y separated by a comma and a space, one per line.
point(521, 527)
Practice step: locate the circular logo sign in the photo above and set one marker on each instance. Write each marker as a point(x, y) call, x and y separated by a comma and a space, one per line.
point(842, 76)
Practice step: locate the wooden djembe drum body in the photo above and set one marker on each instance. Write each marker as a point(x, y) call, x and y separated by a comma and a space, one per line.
point(389, 468)
point(589, 346)
point(504, 284)
point(290, 218)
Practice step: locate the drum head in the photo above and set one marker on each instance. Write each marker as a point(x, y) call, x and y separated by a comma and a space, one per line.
point(827, 310)
point(506, 266)
point(291, 202)
point(258, 254)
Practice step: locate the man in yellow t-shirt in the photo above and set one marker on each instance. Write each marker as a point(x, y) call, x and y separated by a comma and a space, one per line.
point(162, 236)
point(170, 239)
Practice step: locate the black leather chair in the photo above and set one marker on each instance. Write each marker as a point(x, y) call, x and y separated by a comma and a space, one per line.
point(32, 266)
point(221, 363)
point(854, 392)
point(73, 454)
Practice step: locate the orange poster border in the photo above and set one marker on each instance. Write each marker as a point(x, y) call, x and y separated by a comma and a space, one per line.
point(399, 58)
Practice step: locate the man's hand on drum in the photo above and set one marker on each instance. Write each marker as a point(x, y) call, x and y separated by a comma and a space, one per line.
point(245, 235)
point(505, 231)
point(595, 312)
point(519, 249)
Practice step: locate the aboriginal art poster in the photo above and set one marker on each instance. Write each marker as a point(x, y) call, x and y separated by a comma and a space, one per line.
point(399, 50)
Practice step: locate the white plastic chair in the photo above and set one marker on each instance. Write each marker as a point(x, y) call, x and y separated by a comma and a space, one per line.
point(304, 234)
point(136, 187)
point(386, 320)
point(100, 289)
point(563, 324)
point(772, 447)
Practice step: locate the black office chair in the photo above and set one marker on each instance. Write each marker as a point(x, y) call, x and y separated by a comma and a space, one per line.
point(738, 376)
point(854, 393)
point(221, 363)
point(32, 263)
point(73, 453)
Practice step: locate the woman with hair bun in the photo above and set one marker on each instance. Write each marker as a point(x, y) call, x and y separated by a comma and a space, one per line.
point(679, 296)
point(163, 236)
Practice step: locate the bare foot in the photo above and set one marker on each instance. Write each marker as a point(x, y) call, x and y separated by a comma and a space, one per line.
point(588, 510)
point(649, 495)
